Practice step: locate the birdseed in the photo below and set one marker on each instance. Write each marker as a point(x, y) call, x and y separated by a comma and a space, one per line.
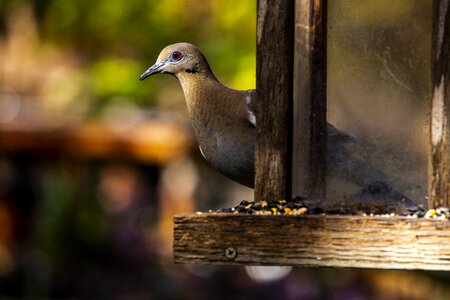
point(271, 207)
point(299, 206)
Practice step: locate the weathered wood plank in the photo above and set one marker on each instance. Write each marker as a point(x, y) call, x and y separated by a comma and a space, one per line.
point(310, 103)
point(313, 240)
point(439, 186)
point(274, 57)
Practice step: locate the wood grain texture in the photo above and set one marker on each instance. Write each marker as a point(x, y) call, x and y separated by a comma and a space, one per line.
point(274, 66)
point(310, 103)
point(439, 186)
point(313, 240)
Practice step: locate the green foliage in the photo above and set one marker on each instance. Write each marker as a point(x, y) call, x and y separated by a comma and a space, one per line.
point(114, 77)
point(114, 41)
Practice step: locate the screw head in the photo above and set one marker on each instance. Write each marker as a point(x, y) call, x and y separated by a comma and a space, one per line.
point(230, 253)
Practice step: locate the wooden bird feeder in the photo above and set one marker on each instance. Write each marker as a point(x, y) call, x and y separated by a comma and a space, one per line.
point(290, 156)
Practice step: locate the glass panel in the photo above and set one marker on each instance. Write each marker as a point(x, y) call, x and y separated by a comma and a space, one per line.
point(379, 91)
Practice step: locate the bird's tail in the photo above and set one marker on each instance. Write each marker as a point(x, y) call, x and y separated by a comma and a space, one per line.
point(343, 164)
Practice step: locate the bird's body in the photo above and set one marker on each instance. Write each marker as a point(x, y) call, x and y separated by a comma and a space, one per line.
point(224, 121)
point(226, 137)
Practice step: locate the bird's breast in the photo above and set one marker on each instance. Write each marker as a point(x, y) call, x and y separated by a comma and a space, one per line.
point(228, 149)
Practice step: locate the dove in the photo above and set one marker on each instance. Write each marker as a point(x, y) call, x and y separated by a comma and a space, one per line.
point(224, 122)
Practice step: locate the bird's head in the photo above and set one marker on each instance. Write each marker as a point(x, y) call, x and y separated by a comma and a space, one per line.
point(180, 58)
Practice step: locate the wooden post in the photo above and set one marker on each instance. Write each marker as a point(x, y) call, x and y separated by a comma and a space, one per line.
point(439, 187)
point(274, 57)
point(309, 128)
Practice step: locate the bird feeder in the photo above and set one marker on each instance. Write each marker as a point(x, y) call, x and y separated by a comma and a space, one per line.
point(292, 150)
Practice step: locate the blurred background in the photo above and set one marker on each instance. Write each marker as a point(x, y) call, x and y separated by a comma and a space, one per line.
point(94, 163)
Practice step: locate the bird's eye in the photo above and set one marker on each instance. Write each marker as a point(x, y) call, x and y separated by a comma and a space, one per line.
point(176, 55)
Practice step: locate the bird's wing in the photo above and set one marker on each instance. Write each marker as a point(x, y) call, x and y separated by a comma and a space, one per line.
point(338, 137)
point(334, 135)
point(249, 99)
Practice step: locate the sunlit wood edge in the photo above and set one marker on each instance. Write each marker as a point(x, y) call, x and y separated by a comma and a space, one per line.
point(312, 241)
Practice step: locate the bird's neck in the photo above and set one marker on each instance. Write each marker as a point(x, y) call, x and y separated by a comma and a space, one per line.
point(202, 92)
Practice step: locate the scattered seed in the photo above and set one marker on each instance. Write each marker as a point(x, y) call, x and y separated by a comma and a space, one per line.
point(298, 207)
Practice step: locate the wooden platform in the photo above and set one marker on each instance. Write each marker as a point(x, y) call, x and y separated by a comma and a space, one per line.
point(312, 240)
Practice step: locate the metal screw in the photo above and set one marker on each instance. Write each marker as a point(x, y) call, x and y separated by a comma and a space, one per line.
point(230, 253)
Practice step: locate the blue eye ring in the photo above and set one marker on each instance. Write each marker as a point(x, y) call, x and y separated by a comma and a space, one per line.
point(176, 56)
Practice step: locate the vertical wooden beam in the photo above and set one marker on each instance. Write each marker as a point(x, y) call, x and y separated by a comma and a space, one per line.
point(274, 57)
point(439, 187)
point(310, 93)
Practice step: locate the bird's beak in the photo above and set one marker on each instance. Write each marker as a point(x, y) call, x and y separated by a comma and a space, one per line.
point(156, 68)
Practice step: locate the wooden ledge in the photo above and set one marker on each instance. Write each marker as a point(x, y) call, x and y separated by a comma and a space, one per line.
point(312, 240)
